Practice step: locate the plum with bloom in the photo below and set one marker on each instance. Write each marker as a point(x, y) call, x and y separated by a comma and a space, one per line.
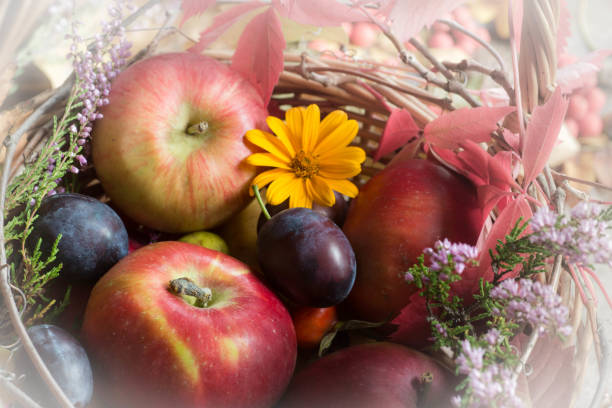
point(310, 158)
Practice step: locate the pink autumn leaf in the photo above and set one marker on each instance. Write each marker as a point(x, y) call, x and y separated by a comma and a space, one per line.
point(507, 219)
point(576, 75)
point(399, 130)
point(541, 135)
point(408, 17)
point(321, 13)
point(191, 8)
point(474, 124)
point(259, 54)
point(222, 22)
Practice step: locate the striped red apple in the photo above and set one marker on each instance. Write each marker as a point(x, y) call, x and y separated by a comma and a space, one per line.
point(178, 325)
point(170, 148)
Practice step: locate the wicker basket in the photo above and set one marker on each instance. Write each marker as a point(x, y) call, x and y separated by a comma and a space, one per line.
point(366, 95)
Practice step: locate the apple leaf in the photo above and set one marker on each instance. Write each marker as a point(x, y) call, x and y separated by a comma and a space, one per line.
point(321, 13)
point(259, 54)
point(222, 22)
point(408, 17)
point(399, 130)
point(565, 24)
point(541, 135)
point(576, 75)
point(473, 124)
point(191, 8)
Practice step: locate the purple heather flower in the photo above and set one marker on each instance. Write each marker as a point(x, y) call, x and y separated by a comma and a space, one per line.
point(408, 277)
point(451, 255)
point(528, 301)
point(488, 385)
point(581, 237)
point(97, 65)
point(492, 336)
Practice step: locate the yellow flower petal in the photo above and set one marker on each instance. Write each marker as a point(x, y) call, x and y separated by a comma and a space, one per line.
point(295, 122)
point(283, 133)
point(268, 160)
point(343, 187)
point(269, 143)
point(340, 137)
point(340, 170)
point(299, 196)
point(321, 191)
point(280, 189)
point(350, 153)
point(310, 132)
point(331, 122)
point(265, 178)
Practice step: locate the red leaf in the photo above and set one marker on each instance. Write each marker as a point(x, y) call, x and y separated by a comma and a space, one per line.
point(474, 124)
point(400, 129)
point(408, 17)
point(577, 75)
point(564, 30)
point(222, 22)
point(502, 226)
point(259, 54)
point(192, 7)
point(541, 135)
point(318, 12)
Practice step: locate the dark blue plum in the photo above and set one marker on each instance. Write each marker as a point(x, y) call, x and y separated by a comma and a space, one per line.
point(93, 236)
point(306, 258)
point(337, 212)
point(67, 361)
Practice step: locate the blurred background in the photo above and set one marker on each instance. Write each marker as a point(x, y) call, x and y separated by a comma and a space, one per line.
point(34, 48)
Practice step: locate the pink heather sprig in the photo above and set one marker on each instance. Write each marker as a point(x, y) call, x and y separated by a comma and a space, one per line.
point(582, 237)
point(95, 66)
point(528, 301)
point(455, 256)
point(488, 384)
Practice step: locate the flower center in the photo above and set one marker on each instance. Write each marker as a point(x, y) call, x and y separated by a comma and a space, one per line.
point(304, 165)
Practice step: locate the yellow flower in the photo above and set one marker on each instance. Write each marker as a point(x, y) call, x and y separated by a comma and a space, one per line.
point(310, 158)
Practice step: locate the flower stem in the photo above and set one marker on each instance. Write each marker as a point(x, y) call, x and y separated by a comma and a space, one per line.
point(261, 203)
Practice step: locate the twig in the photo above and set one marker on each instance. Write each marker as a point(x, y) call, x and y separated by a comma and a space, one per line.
point(604, 367)
point(20, 397)
point(5, 287)
point(487, 46)
point(561, 176)
point(496, 75)
point(451, 84)
point(515, 72)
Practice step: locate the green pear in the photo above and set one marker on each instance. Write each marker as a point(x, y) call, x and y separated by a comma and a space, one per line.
point(207, 240)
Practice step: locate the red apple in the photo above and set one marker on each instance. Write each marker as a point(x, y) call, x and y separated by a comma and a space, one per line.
point(154, 348)
point(398, 213)
point(371, 376)
point(156, 163)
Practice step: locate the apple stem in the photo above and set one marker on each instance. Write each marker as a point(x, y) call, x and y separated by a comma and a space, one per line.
point(261, 203)
point(187, 287)
point(198, 129)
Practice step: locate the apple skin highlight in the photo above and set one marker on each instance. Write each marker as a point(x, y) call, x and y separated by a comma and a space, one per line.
point(156, 171)
point(151, 347)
